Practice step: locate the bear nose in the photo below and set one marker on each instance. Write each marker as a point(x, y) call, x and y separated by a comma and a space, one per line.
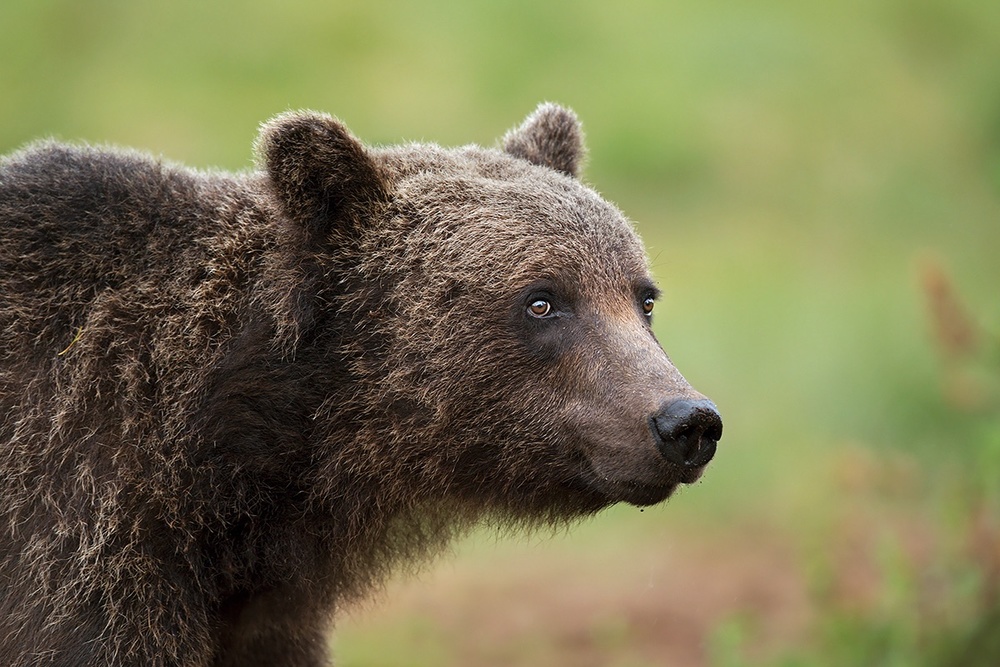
point(686, 431)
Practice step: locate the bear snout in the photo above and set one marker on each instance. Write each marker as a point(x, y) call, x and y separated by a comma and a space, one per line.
point(687, 431)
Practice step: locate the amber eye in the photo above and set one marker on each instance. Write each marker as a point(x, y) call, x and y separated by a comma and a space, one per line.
point(647, 305)
point(540, 308)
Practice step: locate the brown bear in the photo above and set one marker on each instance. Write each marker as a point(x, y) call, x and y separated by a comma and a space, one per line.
point(229, 403)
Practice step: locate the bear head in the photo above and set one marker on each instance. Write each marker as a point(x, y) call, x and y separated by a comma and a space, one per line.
point(492, 316)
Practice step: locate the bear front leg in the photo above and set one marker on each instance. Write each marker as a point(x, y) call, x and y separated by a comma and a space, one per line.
point(274, 629)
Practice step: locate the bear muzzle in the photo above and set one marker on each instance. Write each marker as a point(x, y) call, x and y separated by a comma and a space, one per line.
point(686, 431)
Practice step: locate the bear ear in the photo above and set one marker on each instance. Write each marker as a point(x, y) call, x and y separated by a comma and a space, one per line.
point(322, 176)
point(550, 137)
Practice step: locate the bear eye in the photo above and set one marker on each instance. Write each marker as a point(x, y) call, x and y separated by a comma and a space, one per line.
point(540, 308)
point(647, 305)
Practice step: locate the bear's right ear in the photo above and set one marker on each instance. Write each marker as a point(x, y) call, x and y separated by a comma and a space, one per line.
point(550, 137)
point(322, 176)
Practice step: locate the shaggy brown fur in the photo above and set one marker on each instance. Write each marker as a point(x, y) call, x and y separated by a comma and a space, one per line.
point(229, 403)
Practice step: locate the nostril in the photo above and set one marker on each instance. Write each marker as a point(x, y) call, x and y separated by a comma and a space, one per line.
point(713, 426)
point(686, 431)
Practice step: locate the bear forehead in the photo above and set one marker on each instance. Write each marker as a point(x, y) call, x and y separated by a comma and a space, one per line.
point(470, 187)
point(533, 221)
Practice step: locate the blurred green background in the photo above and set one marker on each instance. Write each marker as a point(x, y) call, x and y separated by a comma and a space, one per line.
point(818, 184)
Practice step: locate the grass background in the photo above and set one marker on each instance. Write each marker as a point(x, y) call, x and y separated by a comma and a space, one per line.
point(818, 185)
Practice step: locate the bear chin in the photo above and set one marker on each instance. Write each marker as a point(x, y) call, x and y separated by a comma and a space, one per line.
point(635, 492)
